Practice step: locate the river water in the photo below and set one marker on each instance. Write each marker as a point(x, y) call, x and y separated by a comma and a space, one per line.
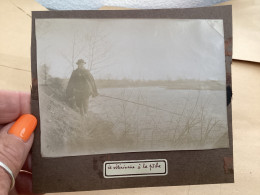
point(156, 118)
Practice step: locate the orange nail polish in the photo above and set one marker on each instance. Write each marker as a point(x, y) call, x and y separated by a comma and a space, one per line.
point(24, 127)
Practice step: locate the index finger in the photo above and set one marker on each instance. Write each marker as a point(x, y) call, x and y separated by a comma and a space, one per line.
point(12, 105)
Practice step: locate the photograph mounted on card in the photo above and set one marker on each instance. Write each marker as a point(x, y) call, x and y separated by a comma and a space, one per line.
point(130, 85)
point(115, 88)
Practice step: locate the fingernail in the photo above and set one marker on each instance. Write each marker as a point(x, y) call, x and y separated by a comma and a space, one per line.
point(24, 127)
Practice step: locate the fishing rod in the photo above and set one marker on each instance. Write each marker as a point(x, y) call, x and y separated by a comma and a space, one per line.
point(138, 104)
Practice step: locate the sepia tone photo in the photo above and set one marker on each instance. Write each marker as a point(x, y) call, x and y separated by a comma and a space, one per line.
point(130, 85)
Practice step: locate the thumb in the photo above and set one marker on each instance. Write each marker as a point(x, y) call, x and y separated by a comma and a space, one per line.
point(15, 143)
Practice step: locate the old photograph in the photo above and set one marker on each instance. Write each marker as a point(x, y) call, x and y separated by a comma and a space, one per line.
point(131, 85)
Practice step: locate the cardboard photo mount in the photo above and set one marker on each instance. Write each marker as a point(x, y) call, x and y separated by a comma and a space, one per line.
point(186, 167)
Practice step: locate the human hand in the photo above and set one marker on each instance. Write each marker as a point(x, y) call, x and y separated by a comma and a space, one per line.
point(16, 137)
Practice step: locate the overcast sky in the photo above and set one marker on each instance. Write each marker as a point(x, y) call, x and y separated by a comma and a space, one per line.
point(149, 49)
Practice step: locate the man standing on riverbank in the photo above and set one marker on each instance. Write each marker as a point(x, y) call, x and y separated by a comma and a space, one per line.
point(81, 86)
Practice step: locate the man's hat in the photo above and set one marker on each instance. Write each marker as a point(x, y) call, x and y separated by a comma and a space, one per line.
point(80, 61)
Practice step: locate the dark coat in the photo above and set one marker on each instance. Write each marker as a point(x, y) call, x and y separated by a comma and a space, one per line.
point(81, 84)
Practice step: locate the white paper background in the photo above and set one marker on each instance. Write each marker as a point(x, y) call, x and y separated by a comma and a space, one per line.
point(145, 4)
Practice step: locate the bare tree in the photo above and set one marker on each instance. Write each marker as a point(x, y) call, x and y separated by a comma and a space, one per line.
point(92, 46)
point(77, 47)
point(97, 50)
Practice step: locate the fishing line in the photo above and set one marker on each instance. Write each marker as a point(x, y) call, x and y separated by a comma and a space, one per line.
point(138, 104)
